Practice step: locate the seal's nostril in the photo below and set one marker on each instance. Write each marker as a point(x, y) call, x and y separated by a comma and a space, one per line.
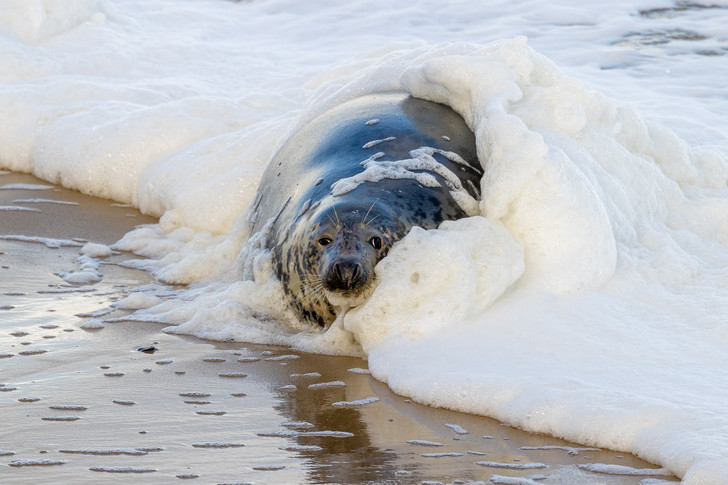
point(345, 275)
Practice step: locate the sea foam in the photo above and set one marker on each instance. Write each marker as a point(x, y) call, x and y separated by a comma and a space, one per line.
point(584, 299)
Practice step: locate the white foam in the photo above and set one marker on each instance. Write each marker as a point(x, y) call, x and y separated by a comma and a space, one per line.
point(456, 428)
point(297, 424)
point(95, 250)
point(326, 434)
point(291, 434)
point(283, 357)
point(44, 201)
point(136, 301)
point(355, 404)
point(373, 143)
point(500, 479)
point(568, 449)
point(217, 445)
point(420, 167)
point(424, 443)
point(93, 325)
point(304, 448)
point(47, 241)
point(511, 466)
point(583, 301)
point(121, 469)
point(88, 270)
point(10, 208)
point(375, 171)
point(31, 462)
point(625, 470)
point(107, 452)
point(25, 187)
point(327, 385)
point(440, 285)
point(359, 370)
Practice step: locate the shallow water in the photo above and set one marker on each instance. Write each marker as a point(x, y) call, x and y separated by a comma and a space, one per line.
point(83, 405)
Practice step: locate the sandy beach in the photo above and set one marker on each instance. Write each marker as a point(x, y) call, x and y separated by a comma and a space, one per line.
point(84, 405)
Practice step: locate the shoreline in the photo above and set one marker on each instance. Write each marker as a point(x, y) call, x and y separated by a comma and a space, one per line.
point(84, 405)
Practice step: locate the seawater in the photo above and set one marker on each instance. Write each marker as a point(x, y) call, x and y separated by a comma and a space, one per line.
point(588, 298)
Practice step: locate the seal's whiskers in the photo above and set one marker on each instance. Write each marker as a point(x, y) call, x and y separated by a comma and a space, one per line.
point(373, 219)
point(337, 215)
point(364, 220)
point(315, 292)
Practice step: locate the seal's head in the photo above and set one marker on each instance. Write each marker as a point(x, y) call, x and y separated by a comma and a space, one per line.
point(333, 253)
point(349, 241)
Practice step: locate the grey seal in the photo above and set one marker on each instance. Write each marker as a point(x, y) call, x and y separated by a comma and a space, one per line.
point(352, 182)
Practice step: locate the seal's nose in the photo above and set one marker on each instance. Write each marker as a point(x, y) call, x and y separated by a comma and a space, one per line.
point(346, 274)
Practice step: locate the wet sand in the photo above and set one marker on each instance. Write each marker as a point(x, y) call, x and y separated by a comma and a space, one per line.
point(85, 406)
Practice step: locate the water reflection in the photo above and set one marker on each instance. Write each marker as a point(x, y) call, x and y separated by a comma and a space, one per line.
point(352, 459)
point(385, 441)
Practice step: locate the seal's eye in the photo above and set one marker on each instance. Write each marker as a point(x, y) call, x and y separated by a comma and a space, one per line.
point(324, 240)
point(376, 242)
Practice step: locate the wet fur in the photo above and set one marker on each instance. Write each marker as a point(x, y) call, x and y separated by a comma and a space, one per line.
point(295, 192)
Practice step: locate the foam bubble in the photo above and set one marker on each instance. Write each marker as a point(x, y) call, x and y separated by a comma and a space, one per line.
point(31, 462)
point(95, 250)
point(355, 404)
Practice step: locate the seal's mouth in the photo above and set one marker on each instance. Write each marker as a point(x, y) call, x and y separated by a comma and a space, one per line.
point(351, 298)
